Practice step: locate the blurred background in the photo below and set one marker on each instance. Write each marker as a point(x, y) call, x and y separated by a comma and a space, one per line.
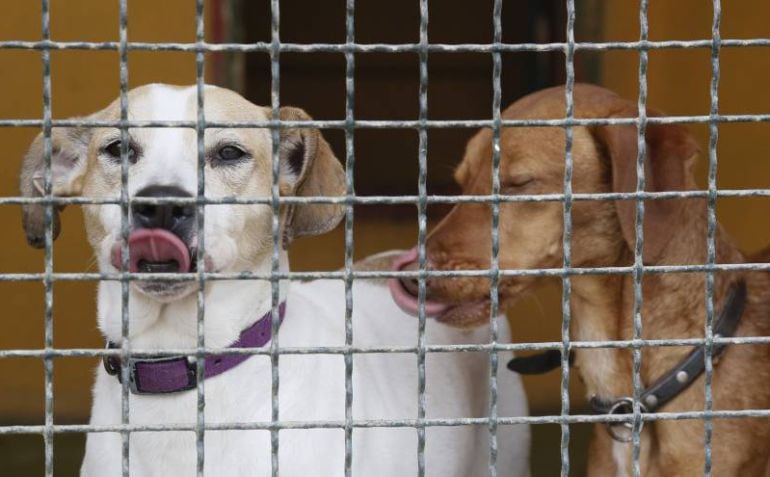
point(386, 87)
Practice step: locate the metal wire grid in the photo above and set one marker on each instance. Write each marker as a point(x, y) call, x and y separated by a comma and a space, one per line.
point(639, 246)
point(566, 281)
point(48, 279)
point(421, 235)
point(276, 137)
point(708, 425)
point(350, 69)
point(275, 47)
point(125, 207)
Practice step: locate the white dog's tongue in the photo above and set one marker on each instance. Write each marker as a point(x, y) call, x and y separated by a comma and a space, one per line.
point(153, 246)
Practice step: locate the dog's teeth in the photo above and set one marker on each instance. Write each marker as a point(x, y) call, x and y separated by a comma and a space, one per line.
point(170, 266)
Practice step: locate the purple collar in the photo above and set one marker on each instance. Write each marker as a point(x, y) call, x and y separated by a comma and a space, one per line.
point(178, 373)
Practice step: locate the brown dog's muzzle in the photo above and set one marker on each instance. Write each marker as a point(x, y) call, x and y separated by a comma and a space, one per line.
point(412, 284)
point(460, 301)
point(444, 298)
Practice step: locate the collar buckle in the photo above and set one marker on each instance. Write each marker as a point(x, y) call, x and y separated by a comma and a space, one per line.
point(108, 361)
point(113, 368)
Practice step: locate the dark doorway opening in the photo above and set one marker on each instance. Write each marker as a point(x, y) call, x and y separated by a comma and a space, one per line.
point(387, 84)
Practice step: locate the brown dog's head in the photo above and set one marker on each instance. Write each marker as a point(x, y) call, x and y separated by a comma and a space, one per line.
point(531, 233)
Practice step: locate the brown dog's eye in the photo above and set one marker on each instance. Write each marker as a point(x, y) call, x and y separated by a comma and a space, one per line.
point(113, 151)
point(230, 154)
point(515, 185)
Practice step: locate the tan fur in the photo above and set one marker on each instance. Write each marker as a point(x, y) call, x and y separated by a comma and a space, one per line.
point(322, 177)
point(68, 146)
point(601, 305)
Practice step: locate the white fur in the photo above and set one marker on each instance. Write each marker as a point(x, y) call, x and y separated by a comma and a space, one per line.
point(620, 456)
point(312, 389)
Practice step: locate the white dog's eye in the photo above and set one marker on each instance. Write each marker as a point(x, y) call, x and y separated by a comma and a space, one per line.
point(230, 154)
point(113, 151)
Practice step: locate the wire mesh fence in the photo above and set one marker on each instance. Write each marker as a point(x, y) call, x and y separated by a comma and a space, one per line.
point(349, 49)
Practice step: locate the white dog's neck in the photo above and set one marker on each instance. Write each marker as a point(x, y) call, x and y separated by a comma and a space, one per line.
point(230, 306)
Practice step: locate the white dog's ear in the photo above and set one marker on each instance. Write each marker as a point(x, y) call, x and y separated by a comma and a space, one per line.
point(309, 168)
point(69, 147)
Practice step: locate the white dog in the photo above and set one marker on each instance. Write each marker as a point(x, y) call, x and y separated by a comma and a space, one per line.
point(162, 314)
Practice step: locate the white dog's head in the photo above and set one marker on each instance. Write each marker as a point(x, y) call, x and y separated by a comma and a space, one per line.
point(163, 162)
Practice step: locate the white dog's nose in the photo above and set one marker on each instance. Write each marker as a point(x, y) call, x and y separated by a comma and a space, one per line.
point(178, 218)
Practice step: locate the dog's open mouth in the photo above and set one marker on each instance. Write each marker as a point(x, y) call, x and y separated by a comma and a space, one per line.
point(155, 251)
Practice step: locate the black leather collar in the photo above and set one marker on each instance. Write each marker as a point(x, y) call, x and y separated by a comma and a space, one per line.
point(670, 384)
point(539, 363)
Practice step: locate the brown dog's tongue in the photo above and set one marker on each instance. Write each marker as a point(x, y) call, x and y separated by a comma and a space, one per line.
point(153, 246)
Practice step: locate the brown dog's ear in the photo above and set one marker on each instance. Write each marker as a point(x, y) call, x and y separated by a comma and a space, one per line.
point(670, 156)
point(309, 168)
point(478, 147)
point(69, 147)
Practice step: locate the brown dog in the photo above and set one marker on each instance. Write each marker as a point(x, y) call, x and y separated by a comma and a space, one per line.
point(675, 231)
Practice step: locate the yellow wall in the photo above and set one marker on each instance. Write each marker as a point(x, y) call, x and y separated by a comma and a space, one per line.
point(679, 83)
point(83, 82)
point(86, 81)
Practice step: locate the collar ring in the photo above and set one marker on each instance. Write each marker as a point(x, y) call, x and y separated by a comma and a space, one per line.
point(622, 431)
